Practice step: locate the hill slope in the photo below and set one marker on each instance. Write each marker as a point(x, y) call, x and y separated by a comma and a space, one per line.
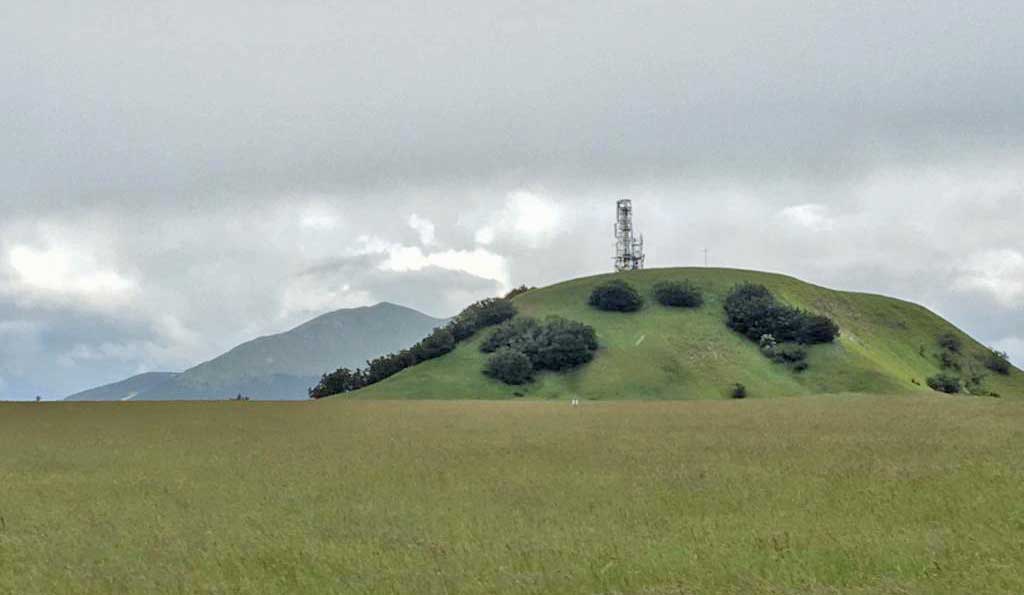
point(667, 353)
point(127, 389)
point(284, 365)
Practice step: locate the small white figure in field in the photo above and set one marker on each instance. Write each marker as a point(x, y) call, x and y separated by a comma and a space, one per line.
point(575, 402)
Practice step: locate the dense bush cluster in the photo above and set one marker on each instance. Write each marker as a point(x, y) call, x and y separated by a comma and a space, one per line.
point(787, 353)
point(753, 311)
point(784, 353)
point(483, 314)
point(509, 366)
point(962, 373)
point(998, 362)
point(945, 383)
point(949, 360)
point(950, 342)
point(616, 296)
point(555, 344)
point(515, 334)
point(780, 330)
point(518, 291)
point(678, 294)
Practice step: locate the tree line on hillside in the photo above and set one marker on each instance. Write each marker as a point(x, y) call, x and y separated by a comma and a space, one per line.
point(442, 340)
point(962, 373)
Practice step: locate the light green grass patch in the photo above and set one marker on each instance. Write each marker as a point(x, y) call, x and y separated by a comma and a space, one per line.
point(837, 494)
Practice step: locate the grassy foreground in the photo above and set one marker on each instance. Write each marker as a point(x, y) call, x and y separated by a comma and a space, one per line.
point(837, 494)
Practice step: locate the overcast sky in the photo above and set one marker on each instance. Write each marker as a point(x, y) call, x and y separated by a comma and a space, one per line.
point(176, 178)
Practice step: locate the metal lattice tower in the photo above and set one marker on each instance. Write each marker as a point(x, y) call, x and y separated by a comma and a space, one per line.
point(629, 250)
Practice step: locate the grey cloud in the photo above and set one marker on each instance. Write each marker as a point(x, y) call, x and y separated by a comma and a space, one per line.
point(228, 158)
point(115, 101)
point(438, 292)
point(44, 351)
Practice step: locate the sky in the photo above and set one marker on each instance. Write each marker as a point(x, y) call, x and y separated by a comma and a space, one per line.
point(181, 177)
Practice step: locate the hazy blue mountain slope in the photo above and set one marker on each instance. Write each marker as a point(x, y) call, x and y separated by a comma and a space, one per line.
point(283, 366)
point(127, 389)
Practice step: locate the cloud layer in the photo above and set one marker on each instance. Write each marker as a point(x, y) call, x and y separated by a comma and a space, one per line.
point(179, 178)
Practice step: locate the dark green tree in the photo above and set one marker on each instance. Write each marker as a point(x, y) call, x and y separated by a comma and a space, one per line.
point(998, 362)
point(616, 296)
point(509, 366)
point(945, 383)
point(950, 342)
point(436, 344)
point(678, 294)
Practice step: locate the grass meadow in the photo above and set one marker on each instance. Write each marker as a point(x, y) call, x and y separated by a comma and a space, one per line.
point(834, 494)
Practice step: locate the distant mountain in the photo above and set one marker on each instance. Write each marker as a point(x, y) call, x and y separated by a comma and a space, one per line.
point(127, 389)
point(282, 366)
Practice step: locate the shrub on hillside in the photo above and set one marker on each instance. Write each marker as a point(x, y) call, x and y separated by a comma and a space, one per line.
point(562, 345)
point(945, 383)
point(739, 391)
point(767, 343)
point(480, 315)
point(746, 308)
point(382, 367)
point(556, 344)
point(975, 383)
point(515, 334)
point(436, 344)
point(786, 353)
point(753, 311)
point(339, 381)
point(517, 292)
point(442, 340)
point(950, 342)
point(678, 294)
point(949, 360)
point(817, 328)
point(509, 366)
point(998, 362)
point(616, 296)
point(493, 311)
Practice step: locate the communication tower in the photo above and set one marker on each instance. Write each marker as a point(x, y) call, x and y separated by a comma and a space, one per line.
point(629, 246)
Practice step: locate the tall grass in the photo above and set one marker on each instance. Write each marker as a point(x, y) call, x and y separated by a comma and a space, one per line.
point(839, 494)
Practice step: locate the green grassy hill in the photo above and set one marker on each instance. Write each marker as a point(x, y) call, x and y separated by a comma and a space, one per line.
point(668, 353)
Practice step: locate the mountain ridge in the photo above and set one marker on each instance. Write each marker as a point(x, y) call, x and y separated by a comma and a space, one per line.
point(281, 365)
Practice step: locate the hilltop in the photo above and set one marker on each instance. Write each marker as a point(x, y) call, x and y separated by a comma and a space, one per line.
point(281, 366)
point(886, 346)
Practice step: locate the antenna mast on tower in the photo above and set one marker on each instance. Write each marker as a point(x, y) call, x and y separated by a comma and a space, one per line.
point(629, 250)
